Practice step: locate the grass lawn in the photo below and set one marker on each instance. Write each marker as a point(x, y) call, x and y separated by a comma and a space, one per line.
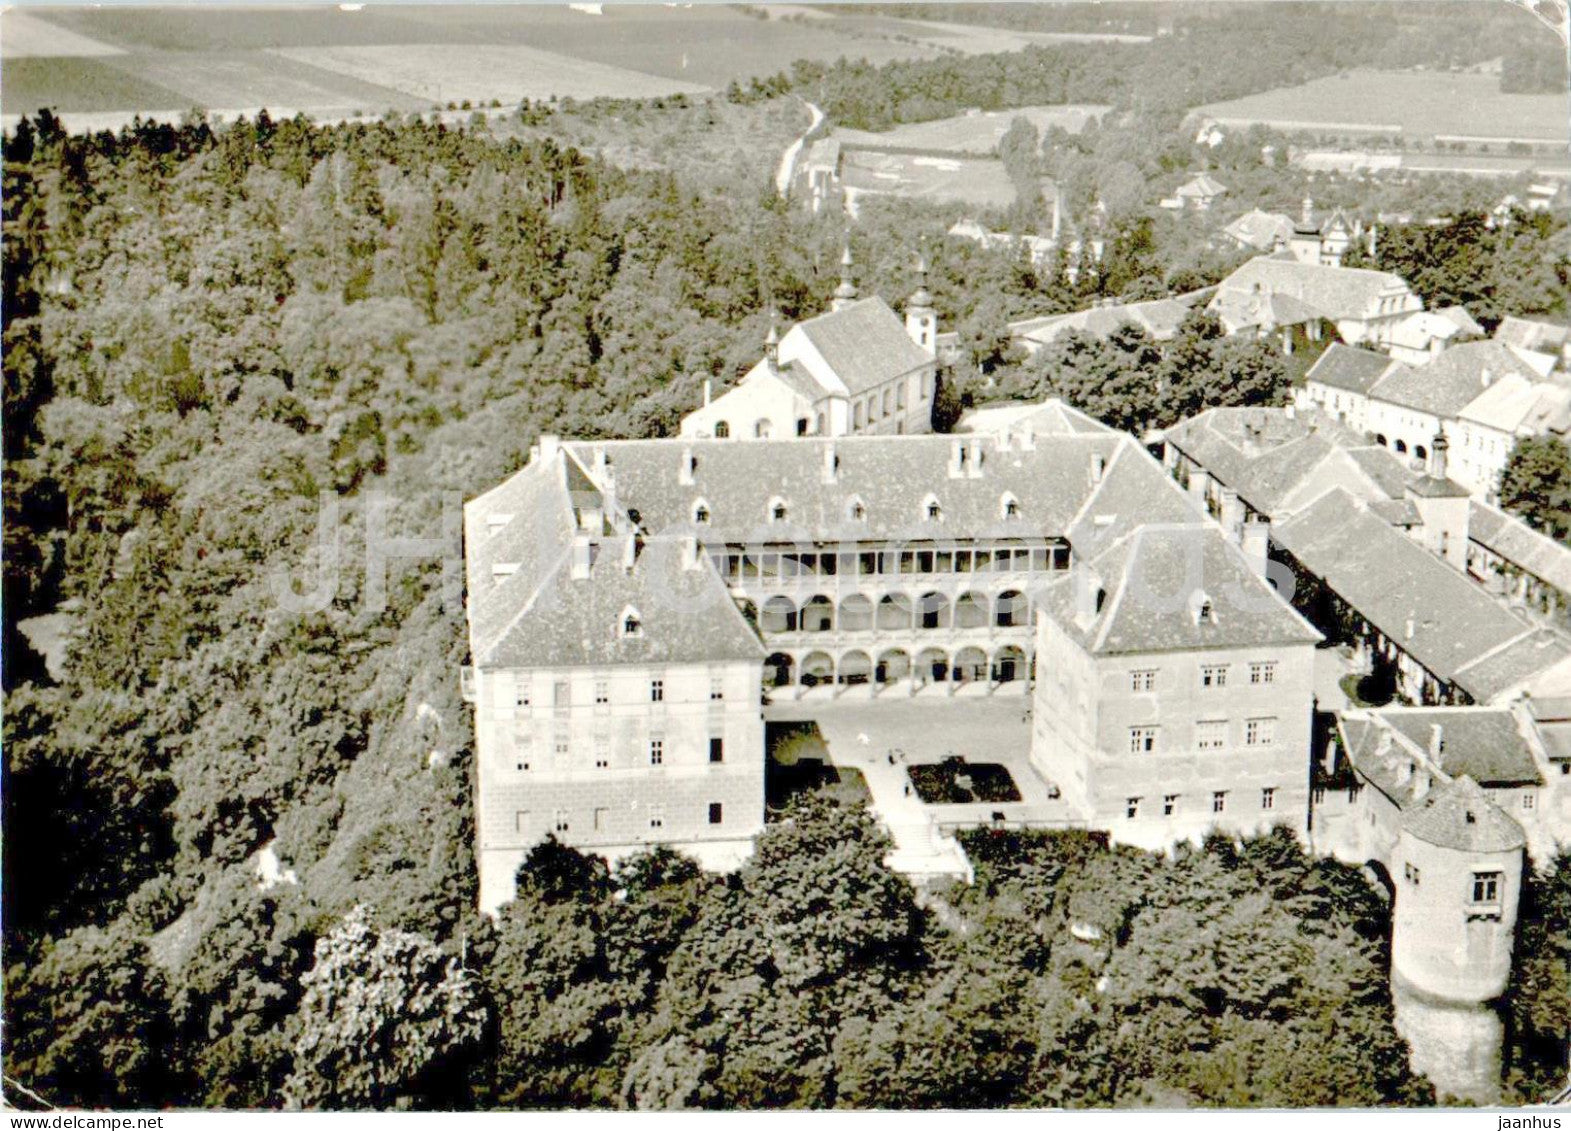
point(799, 763)
point(954, 781)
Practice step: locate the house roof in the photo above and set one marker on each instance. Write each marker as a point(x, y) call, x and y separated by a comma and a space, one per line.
point(1422, 327)
point(526, 610)
point(1424, 606)
point(1260, 230)
point(1202, 184)
point(1161, 318)
point(1274, 461)
point(864, 344)
point(1529, 334)
point(1485, 743)
point(1519, 405)
point(1051, 417)
point(1341, 292)
point(1238, 309)
point(1154, 580)
point(1349, 368)
point(1449, 383)
point(1053, 481)
point(1459, 815)
point(1461, 319)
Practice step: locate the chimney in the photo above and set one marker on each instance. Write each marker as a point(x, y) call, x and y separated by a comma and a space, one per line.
point(1089, 595)
point(689, 464)
point(1256, 545)
point(1027, 439)
point(1437, 742)
point(831, 469)
point(974, 470)
point(630, 550)
point(772, 346)
point(549, 446)
point(1098, 466)
point(1309, 211)
point(690, 555)
point(1404, 772)
point(1437, 455)
point(1486, 377)
point(1410, 627)
point(1291, 411)
point(957, 459)
point(708, 389)
point(602, 465)
point(583, 557)
point(1422, 784)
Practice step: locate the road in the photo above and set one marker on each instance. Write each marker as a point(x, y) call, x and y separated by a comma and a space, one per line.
point(787, 168)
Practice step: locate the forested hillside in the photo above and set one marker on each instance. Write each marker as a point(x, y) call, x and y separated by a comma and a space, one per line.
point(211, 334)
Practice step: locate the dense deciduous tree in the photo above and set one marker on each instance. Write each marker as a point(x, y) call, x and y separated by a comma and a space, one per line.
point(1536, 484)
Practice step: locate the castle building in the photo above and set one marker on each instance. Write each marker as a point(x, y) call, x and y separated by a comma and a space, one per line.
point(855, 370)
point(1179, 696)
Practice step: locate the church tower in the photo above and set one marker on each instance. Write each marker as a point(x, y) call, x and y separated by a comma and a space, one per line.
point(845, 293)
point(921, 318)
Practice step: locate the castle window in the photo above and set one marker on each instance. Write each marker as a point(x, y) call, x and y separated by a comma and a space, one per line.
point(1259, 732)
point(559, 821)
point(716, 812)
point(1219, 801)
point(632, 623)
point(602, 754)
point(1211, 734)
point(1263, 672)
point(1142, 681)
point(1010, 507)
point(722, 430)
point(562, 749)
point(1169, 804)
point(717, 750)
point(931, 510)
point(1529, 802)
point(602, 691)
point(1486, 887)
point(761, 430)
point(1410, 871)
point(1205, 610)
point(657, 751)
point(1142, 740)
point(1268, 798)
point(716, 687)
point(657, 691)
point(1213, 675)
point(701, 513)
point(521, 691)
point(777, 510)
point(657, 816)
point(1132, 808)
point(856, 511)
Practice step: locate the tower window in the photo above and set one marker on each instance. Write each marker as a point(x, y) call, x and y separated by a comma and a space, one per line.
point(1169, 804)
point(1486, 887)
point(1219, 801)
point(1268, 798)
point(657, 691)
point(716, 813)
point(1132, 808)
point(657, 751)
point(717, 750)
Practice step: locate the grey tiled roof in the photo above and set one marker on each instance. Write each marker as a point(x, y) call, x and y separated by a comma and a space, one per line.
point(1350, 368)
point(1429, 610)
point(1051, 417)
point(1444, 387)
point(1459, 815)
point(1161, 318)
point(1341, 292)
point(865, 344)
point(1155, 579)
point(1481, 742)
point(1261, 230)
point(1239, 309)
point(1527, 334)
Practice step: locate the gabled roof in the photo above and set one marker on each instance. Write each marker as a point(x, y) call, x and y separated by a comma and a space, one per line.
point(1202, 184)
point(1260, 230)
point(1241, 309)
point(1484, 743)
point(1422, 327)
point(1161, 318)
point(864, 345)
point(1447, 384)
point(1529, 334)
point(1517, 405)
point(1341, 292)
point(1349, 368)
point(1461, 319)
point(1510, 538)
point(1154, 579)
point(1418, 602)
point(1052, 417)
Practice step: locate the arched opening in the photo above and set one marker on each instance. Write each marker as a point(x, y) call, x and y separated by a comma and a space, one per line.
point(935, 610)
point(932, 664)
point(817, 668)
point(1009, 664)
point(970, 665)
point(894, 611)
point(1421, 452)
point(892, 665)
point(1381, 879)
point(722, 430)
point(779, 615)
point(777, 671)
point(761, 429)
point(856, 614)
point(818, 615)
point(1380, 438)
point(970, 611)
point(1013, 609)
point(856, 668)
point(1401, 447)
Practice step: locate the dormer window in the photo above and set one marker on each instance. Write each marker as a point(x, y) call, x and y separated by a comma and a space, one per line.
point(632, 623)
point(855, 511)
point(777, 510)
point(701, 513)
point(931, 510)
point(1205, 609)
point(1009, 507)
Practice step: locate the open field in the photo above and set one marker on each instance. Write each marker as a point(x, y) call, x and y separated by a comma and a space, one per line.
point(27, 37)
point(1418, 103)
point(69, 85)
point(974, 133)
point(439, 73)
point(240, 79)
point(978, 181)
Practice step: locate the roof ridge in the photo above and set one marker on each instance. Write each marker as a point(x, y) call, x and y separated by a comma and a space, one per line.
point(1133, 537)
point(545, 575)
point(1510, 642)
